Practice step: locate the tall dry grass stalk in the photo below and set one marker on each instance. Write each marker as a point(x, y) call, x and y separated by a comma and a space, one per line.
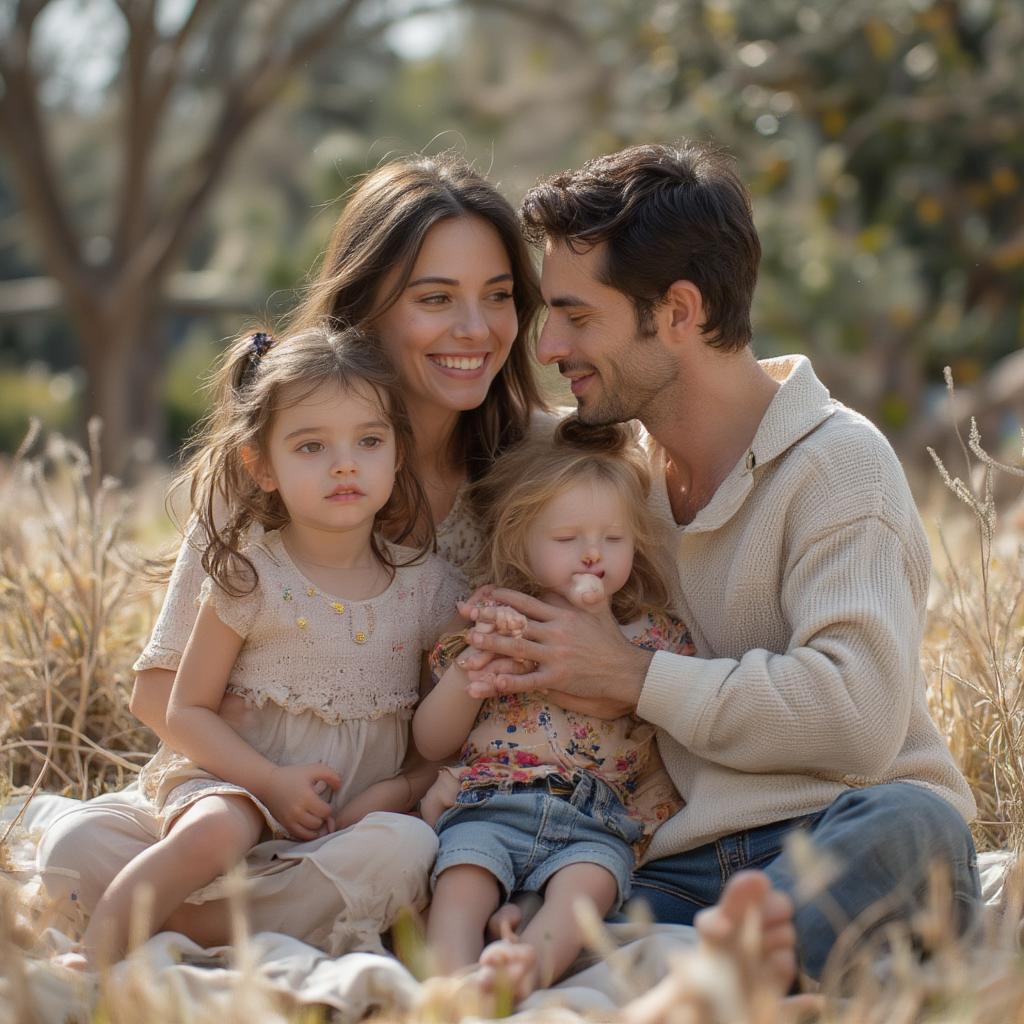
point(974, 646)
point(70, 622)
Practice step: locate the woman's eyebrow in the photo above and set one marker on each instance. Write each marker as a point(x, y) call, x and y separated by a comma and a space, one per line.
point(431, 279)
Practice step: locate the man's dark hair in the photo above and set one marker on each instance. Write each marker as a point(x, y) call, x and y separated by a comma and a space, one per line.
point(667, 213)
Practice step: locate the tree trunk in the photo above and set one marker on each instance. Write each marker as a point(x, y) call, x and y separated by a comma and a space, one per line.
point(147, 415)
point(108, 343)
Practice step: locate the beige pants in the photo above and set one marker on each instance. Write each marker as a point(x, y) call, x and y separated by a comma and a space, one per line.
point(338, 893)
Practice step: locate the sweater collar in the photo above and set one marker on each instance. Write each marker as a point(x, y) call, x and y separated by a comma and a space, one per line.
point(801, 404)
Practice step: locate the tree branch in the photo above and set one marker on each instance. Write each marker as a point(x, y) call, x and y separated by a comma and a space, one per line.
point(21, 128)
point(139, 127)
point(246, 99)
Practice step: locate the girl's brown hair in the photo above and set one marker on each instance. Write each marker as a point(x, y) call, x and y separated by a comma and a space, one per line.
point(518, 487)
point(258, 377)
point(382, 229)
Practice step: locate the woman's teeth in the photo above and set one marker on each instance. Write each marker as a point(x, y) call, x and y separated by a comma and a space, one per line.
point(459, 362)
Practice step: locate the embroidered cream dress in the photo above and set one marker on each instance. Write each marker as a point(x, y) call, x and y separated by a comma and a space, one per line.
point(459, 538)
point(313, 693)
point(325, 679)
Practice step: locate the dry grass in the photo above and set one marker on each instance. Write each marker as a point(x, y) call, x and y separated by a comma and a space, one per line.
point(70, 626)
point(975, 645)
point(71, 620)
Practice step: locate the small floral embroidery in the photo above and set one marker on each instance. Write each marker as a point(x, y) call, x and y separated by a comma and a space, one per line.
point(338, 607)
point(287, 593)
point(302, 623)
point(311, 591)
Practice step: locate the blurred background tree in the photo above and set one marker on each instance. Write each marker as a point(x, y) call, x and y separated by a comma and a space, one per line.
point(883, 141)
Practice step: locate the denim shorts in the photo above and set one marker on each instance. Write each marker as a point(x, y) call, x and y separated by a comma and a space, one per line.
point(522, 834)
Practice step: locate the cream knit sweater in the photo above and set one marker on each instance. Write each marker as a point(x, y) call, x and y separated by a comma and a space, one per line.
point(804, 582)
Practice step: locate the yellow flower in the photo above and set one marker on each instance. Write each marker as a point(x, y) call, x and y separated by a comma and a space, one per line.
point(302, 623)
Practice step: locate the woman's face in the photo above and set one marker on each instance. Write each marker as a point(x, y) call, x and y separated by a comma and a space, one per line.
point(451, 329)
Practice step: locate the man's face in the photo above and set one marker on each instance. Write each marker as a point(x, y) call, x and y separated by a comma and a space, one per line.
point(591, 333)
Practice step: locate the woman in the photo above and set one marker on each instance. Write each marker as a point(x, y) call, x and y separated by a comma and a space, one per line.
point(428, 256)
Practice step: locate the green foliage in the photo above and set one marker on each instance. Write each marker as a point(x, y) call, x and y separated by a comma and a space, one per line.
point(185, 399)
point(34, 393)
point(884, 144)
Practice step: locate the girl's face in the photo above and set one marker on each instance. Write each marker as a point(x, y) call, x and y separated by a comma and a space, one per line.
point(332, 457)
point(452, 328)
point(585, 529)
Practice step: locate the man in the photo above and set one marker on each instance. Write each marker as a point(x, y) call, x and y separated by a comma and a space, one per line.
point(803, 569)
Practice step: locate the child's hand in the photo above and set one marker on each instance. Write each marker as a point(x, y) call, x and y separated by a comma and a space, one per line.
point(291, 793)
point(439, 797)
point(586, 590)
point(509, 622)
point(504, 621)
point(389, 795)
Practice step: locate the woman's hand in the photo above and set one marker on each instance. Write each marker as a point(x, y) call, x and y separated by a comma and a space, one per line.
point(581, 658)
point(292, 792)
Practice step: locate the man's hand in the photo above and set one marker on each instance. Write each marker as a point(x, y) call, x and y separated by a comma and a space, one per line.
point(581, 659)
point(292, 794)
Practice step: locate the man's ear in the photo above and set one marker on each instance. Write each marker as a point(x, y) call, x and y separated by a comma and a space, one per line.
point(259, 469)
point(683, 309)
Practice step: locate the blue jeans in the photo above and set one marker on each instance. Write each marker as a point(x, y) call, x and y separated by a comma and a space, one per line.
point(525, 833)
point(883, 841)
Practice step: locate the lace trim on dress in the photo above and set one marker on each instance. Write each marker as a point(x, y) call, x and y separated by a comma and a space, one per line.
point(297, 701)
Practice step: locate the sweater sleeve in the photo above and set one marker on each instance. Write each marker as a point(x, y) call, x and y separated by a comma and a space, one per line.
point(838, 699)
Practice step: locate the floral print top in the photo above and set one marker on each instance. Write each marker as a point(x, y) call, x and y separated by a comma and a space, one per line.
point(520, 738)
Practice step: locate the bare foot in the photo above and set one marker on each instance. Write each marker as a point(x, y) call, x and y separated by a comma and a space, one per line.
point(752, 923)
point(76, 961)
point(751, 927)
point(504, 922)
point(508, 965)
point(505, 973)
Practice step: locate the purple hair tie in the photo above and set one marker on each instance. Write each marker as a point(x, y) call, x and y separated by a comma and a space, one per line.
point(260, 344)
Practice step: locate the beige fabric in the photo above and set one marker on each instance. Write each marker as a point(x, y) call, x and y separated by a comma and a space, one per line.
point(361, 751)
point(337, 893)
point(314, 694)
point(804, 583)
point(307, 650)
point(185, 593)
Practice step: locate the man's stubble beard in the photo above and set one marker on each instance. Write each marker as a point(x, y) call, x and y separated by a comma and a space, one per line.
point(628, 394)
